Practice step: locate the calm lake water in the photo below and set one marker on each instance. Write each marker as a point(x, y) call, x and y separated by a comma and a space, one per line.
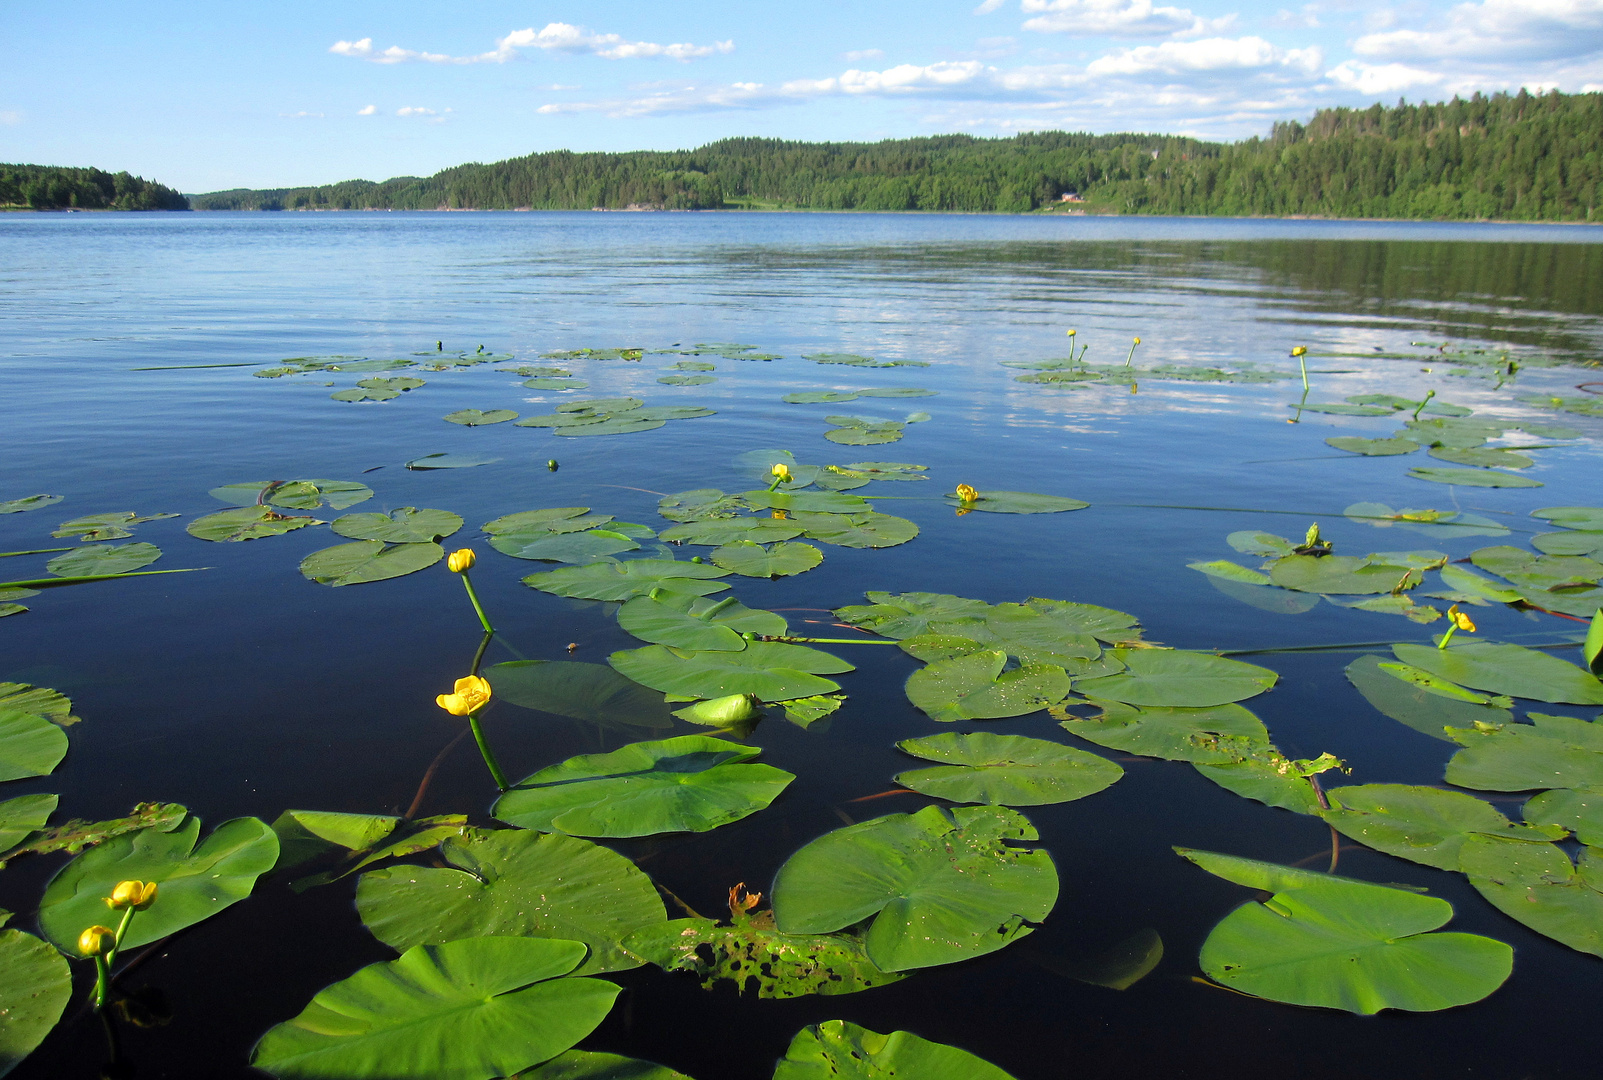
point(247, 689)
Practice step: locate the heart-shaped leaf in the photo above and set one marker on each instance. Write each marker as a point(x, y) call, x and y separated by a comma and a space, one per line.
point(478, 418)
point(1178, 678)
point(103, 559)
point(246, 523)
point(693, 622)
point(838, 1048)
point(1005, 770)
point(622, 581)
point(974, 687)
point(368, 560)
point(407, 525)
point(30, 745)
point(774, 671)
point(780, 560)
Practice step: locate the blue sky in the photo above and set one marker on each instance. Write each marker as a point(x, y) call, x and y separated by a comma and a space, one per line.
point(209, 96)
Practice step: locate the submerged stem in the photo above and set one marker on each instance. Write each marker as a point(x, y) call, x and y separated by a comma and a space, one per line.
point(487, 753)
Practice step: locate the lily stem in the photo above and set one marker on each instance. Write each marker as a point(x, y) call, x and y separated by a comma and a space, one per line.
point(484, 620)
point(102, 982)
point(122, 931)
point(487, 753)
point(1303, 361)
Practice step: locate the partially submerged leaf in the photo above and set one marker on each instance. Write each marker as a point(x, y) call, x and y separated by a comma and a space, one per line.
point(29, 502)
point(76, 835)
point(295, 494)
point(1538, 885)
point(594, 693)
point(1430, 714)
point(622, 581)
point(838, 1048)
point(449, 461)
point(22, 816)
point(1506, 669)
point(1017, 502)
point(113, 526)
point(1373, 447)
point(690, 622)
point(1472, 477)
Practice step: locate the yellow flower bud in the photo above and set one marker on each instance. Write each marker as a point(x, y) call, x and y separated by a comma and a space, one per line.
point(1460, 620)
point(138, 895)
point(1300, 350)
point(780, 470)
point(461, 561)
point(778, 515)
point(469, 696)
point(97, 941)
point(1138, 341)
point(1073, 332)
point(967, 494)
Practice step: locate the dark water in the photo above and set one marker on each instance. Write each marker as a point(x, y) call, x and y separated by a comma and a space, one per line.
point(246, 690)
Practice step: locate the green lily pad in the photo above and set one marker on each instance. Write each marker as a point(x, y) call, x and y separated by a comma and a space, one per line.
point(622, 581)
point(701, 504)
point(1229, 571)
point(1472, 477)
point(76, 835)
point(112, 526)
point(246, 523)
point(687, 380)
point(1427, 713)
point(1486, 457)
point(561, 419)
point(864, 531)
point(590, 692)
point(23, 816)
point(671, 412)
point(1017, 502)
point(693, 365)
point(1005, 770)
point(862, 435)
point(1506, 669)
point(819, 397)
point(1568, 517)
point(367, 393)
point(774, 671)
point(853, 360)
point(450, 461)
point(555, 519)
point(555, 384)
point(1467, 581)
point(514, 882)
point(1174, 677)
point(589, 1065)
point(1538, 885)
point(1579, 812)
point(1336, 408)
point(779, 560)
point(1349, 945)
point(30, 745)
point(463, 1010)
point(1421, 824)
point(807, 711)
point(1586, 544)
point(365, 365)
point(480, 418)
point(819, 502)
point(974, 687)
point(103, 559)
point(29, 502)
point(575, 547)
point(896, 392)
point(692, 622)
point(617, 425)
point(1214, 735)
point(1264, 774)
point(295, 494)
point(1254, 542)
point(692, 783)
point(750, 951)
point(1340, 574)
point(1438, 687)
point(715, 532)
point(406, 525)
point(1372, 447)
point(196, 883)
point(908, 614)
point(368, 560)
point(940, 886)
point(35, 985)
point(838, 1048)
point(1548, 752)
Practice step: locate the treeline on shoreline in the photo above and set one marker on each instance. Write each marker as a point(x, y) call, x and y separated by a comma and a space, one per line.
point(55, 187)
point(1511, 157)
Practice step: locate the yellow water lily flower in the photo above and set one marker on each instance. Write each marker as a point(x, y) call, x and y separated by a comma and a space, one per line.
point(97, 941)
point(780, 470)
point(1460, 620)
point(468, 696)
point(778, 515)
point(138, 895)
point(1300, 350)
point(461, 561)
point(965, 493)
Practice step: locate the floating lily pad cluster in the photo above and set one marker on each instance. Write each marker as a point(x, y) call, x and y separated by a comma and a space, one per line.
point(570, 534)
point(1589, 405)
point(821, 397)
point(1449, 437)
point(611, 416)
point(729, 350)
point(1071, 372)
point(853, 360)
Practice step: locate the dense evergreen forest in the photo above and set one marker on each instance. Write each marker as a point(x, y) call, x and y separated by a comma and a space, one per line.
point(50, 187)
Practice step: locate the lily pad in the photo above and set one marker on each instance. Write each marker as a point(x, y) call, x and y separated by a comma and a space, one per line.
point(1467, 581)
point(368, 560)
point(406, 525)
point(974, 687)
point(30, 745)
point(246, 523)
point(687, 380)
point(1421, 824)
point(693, 365)
point(1264, 774)
point(1349, 945)
point(1506, 669)
point(617, 425)
point(838, 1048)
point(1538, 885)
point(35, 985)
point(1373, 447)
point(1174, 677)
point(196, 883)
point(1580, 812)
point(623, 581)
point(1427, 713)
point(555, 519)
point(908, 614)
point(774, 671)
point(514, 882)
point(1548, 752)
point(295, 494)
point(576, 547)
point(1229, 571)
point(939, 886)
point(1568, 517)
point(22, 816)
point(819, 397)
point(561, 419)
point(820, 502)
point(555, 384)
point(463, 1010)
point(1017, 502)
point(1340, 574)
point(590, 692)
point(896, 392)
point(779, 560)
point(715, 532)
point(589, 1065)
point(480, 418)
point(864, 531)
point(1587, 544)
point(112, 526)
point(1337, 408)
point(76, 835)
point(103, 559)
point(1472, 477)
point(671, 412)
point(701, 504)
point(863, 435)
point(29, 502)
point(450, 461)
point(1005, 770)
point(1214, 735)
point(691, 622)
point(853, 360)
point(692, 783)
point(1486, 457)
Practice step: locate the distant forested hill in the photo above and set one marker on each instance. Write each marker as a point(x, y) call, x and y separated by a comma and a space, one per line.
point(50, 187)
point(1521, 157)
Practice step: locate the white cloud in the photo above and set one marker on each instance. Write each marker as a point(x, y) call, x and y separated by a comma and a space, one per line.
point(553, 37)
point(1305, 19)
point(1376, 79)
point(1117, 18)
point(1588, 88)
point(298, 115)
point(863, 54)
point(1498, 30)
point(367, 111)
point(1207, 55)
point(415, 110)
point(988, 6)
point(10, 116)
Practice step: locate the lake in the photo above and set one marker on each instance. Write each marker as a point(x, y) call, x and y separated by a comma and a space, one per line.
point(245, 689)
